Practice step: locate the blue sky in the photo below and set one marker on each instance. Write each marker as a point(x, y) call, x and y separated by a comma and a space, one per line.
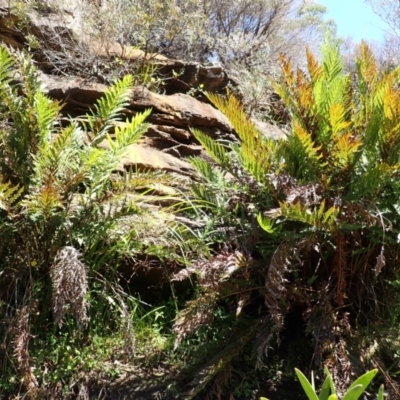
point(355, 18)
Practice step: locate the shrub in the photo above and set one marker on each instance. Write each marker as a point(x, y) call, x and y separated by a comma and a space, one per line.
point(320, 208)
point(66, 222)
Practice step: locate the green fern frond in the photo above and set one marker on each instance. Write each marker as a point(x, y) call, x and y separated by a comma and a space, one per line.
point(46, 112)
point(267, 224)
point(129, 133)
point(57, 160)
point(255, 153)
point(304, 157)
point(9, 195)
point(344, 150)
point(337, 119)
point(234, 111)
point(109, 108)
point(216, 150)
point(43, 204)
point(321, 218)
point(332, 61)
point(7, 66)
point(203, 168)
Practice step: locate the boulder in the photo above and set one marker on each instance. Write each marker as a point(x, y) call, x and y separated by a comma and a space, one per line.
point(179, 110)
point(269, 130)
point(142, 157)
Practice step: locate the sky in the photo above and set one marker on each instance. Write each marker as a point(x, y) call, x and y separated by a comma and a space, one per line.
point(355, 18)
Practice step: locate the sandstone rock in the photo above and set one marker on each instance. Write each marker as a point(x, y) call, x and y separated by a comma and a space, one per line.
point(269, 130)
point(181, 135)
point(147, 158)
point(180, 109)
point(77, 94)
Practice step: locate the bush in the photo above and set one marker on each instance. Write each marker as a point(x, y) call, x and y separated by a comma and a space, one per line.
point(67, 221)
point(320, 209)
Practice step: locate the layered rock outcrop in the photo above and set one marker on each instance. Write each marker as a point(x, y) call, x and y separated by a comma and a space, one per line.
point(169, 139)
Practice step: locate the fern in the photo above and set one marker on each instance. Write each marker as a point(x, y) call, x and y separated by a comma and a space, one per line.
point(321, 208)
point(9, 196)
point(61, 216)
point(108, 109)
point(129, 133)
point(216, 150)
point(320, 218)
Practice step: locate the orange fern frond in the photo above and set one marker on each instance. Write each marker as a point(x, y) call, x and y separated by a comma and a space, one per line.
point(313, 66)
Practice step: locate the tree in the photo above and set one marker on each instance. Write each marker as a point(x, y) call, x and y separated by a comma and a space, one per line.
point(389, 12)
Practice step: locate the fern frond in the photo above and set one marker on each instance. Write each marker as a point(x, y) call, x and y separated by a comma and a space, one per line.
point(196, 313)
point(287, 70)
point(366, 67)
point(46, 112)
point(332, 61)
point(57, 160)
point(216, 150)
point(9, 194)
point(203, 168)
point(129, 133)
point(242, 124)
point(313, 66)
point(7, 66)
point(267, 224)
point(344, 149)
point(321, 218)
point(337, 119)
point(305, 153)
point(43, 204)
point(256, 154)
point(109, 108)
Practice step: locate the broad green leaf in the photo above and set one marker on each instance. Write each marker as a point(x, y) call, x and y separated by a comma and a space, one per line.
point(359, 385)
point(266, 223)
point(381, 393)
point(308, 389)
point(354, 392)
point(326, 388)
point(331, 384)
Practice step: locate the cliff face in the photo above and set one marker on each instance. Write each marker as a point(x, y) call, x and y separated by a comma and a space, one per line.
point(168, 140)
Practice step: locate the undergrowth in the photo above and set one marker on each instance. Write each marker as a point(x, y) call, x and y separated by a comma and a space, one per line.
point(68, 222)
point(306, 223)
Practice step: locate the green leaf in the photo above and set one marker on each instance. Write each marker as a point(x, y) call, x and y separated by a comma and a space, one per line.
point(381, 393)
point(331, 384)
point(308, 389)
point(354, 392)
point(216, 150)
point(359, 385)
point(326, 388)
point(266, 223)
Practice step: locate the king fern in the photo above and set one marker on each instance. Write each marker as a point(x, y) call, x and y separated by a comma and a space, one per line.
point(326, 200)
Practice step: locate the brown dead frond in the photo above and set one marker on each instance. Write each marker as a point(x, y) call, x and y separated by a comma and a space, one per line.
point(211, 272)
point(69, 278)
point(196, 313)
point(338, 361)
point(286, 186)
point(380, 261)
point(221, 382)
point(266, 331)
point(340, 267)
point(21, 346)
point(275, 281)
point(213, 275)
